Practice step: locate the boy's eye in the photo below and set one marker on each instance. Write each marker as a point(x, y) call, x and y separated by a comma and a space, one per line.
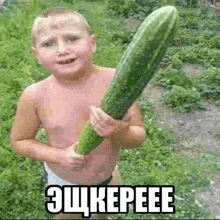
point(72, 39)
point(48, 44)
point(69, 39)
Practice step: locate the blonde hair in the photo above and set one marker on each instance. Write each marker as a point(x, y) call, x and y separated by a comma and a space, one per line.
point(38, 24)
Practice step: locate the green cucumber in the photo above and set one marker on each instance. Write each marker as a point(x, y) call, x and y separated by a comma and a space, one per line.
point(136, 68)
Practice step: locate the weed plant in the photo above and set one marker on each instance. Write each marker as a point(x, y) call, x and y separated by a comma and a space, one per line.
point(21, 179)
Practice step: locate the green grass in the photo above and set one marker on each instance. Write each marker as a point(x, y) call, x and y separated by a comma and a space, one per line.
point(21, 180)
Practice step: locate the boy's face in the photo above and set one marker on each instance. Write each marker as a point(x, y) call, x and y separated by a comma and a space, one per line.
point(65, 42)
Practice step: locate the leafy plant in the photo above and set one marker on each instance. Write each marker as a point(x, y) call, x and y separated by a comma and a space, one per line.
point(178, 95)
point(171, 77)
point(144, 8)
point(212, 75)
point(166, 2)
point(210, 90)
point(121, 7)
point(122, 37)
point(191, 3)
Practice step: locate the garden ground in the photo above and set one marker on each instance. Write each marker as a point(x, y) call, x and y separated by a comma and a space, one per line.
point(196, 134)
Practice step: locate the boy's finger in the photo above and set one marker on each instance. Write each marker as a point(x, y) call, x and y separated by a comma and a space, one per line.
point(107, 118)
point(75, 144)
point(80, 156)
point(128, 116)
point(94, 112)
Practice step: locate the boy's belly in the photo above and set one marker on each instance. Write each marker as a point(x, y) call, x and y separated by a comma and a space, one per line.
point(101, 164)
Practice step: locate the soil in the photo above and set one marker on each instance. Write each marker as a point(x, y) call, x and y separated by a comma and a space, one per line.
point(131, 23)
point(196, 133)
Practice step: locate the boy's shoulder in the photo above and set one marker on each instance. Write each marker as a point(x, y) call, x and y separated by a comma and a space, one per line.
point(107, 73)
point(34, 90)
point(40, 87)
point(108, 69)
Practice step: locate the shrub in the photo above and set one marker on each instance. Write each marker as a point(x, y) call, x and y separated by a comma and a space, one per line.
point(167, 2)
point(144, 8)
point(121, 7)
point(180, 96)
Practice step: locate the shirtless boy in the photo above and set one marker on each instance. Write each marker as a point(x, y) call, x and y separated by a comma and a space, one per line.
point(61, 104)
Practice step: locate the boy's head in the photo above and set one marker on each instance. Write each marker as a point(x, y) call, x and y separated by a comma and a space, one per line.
point(60, 35)
point(59, 14)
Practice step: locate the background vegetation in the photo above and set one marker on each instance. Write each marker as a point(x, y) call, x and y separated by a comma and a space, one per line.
point(21, 180)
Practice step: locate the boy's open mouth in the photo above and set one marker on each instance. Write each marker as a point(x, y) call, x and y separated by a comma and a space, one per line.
point(67, 61)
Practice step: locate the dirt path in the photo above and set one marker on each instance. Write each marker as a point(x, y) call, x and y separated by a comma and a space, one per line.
point(195, 132)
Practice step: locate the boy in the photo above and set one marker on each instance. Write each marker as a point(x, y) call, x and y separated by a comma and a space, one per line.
point(61, 103)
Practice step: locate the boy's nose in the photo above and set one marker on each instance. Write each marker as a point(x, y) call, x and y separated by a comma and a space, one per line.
point(61, 46)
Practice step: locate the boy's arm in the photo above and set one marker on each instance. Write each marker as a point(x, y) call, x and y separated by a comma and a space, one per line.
point(135, 134)
point(127, 133)
point(25, 128)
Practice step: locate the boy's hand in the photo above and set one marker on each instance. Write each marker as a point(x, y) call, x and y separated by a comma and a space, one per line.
point(106, 126)
point(71, 160)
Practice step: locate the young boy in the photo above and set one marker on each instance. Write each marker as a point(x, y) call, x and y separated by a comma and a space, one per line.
point(61, 103)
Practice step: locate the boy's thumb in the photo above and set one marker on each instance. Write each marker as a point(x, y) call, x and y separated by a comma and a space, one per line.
point(75, 145)
point(74, 148)
point(128, 116)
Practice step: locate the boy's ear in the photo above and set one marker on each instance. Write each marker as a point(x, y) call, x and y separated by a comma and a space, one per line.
point(34, 52)
point(94, 43)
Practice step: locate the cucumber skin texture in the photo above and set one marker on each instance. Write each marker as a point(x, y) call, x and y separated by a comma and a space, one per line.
point(136, 68)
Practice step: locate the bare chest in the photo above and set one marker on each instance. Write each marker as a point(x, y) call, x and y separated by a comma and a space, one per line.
point(64, 113)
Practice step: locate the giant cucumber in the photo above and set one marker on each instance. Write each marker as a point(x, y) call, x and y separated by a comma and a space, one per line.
point(137, 66)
